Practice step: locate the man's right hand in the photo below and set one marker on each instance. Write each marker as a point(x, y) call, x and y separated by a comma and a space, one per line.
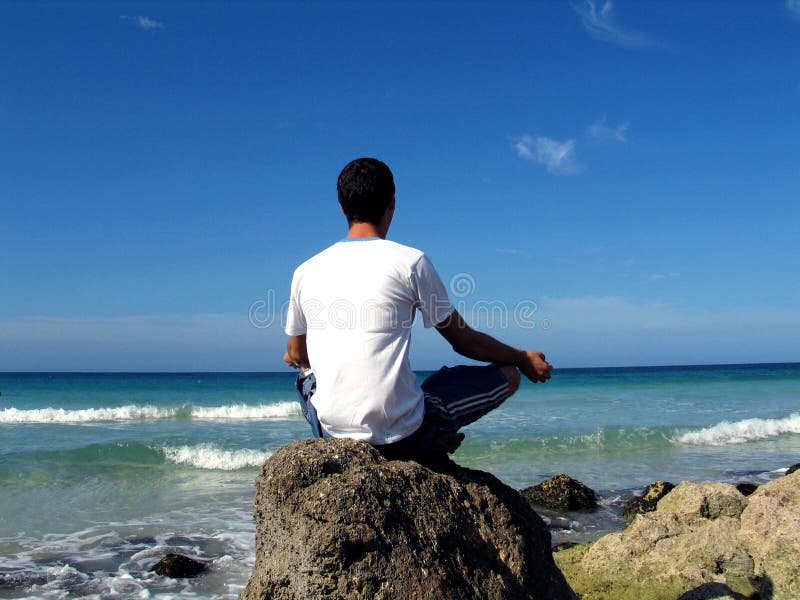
point(296, 352)
point(533, 365)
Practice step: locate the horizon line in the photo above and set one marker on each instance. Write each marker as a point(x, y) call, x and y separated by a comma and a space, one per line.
point(287, 372)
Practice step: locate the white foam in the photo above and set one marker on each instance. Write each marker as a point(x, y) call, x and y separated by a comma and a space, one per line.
point(610, 501)
point(210, 456)
point(281, 410)
point(247, 411)
point(740, 432)
point(86, 415)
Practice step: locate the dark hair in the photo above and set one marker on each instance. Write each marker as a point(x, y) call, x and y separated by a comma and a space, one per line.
point(366, 189)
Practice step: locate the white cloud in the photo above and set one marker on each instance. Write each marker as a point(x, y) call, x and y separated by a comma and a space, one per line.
point(604, 133)
point(609, 330)
point(144, 22)
point(793, 6)
point(523, 146)
point(201, 342)
point(602, 314)
point(557, 157)
point(601, 24)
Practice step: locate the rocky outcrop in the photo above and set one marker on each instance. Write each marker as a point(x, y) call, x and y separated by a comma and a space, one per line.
point(707, 500)
point(771, 533)
point(561, 492)
point(178, 565)
point(334, 519)
point(647, 501)
point(705, 540)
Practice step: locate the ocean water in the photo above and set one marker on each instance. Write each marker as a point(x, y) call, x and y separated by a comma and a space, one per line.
point(102, 474)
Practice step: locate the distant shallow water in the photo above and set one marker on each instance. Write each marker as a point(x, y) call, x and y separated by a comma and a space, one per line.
point(101, 474)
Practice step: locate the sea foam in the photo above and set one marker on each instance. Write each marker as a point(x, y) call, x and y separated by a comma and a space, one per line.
point(85, 415)
point(210, 456)
point(247, 411)
point(740, 432)
point(280, 410)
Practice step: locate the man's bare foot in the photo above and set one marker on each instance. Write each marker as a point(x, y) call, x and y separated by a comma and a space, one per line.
point(449, 442)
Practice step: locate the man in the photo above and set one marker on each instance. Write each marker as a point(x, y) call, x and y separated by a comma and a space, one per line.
point(349, 321)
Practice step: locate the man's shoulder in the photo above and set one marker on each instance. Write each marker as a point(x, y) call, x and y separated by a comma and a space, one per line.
point(373, 249)
point(315, 259)
point(409, 252)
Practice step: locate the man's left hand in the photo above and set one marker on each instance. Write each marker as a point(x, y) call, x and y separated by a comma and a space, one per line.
point(534, 366)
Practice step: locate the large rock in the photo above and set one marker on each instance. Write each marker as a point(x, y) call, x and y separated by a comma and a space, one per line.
point(561, 492)
point(706, 500)
point(334, 519)
point(771, 533)
point(703, 541)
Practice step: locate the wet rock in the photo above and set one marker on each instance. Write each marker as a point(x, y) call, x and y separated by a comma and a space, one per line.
point(561, 492)
point(334, 519)
point(648, 501)
point(21, 579)
point(746, 489)
point(793, 468)
point(178, 566)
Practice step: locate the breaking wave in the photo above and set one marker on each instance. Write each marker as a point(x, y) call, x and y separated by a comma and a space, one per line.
point(210, 456)
point(740, 432)
point(233, 412)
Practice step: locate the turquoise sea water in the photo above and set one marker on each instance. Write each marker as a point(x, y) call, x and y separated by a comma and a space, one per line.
point(101, 474)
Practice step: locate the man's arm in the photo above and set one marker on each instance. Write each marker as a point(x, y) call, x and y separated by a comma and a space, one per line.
point(479, 346)
point(296, 352)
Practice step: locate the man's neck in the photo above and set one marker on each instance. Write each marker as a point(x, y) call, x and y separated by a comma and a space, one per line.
point(365, 230)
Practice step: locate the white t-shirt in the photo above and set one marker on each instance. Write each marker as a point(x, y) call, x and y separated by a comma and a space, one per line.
point(356, 301)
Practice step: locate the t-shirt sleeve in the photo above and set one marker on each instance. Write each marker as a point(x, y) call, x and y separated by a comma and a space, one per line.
point(432, 298)
point(295, 319)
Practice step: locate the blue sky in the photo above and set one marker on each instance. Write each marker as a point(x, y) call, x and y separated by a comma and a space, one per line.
point(622, 175)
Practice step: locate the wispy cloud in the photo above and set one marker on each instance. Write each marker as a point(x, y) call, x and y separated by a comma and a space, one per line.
point(601, 132)
point(793, 6)
point(143, 22)
point(557, 157)
point(600, 23)
point(660, 276)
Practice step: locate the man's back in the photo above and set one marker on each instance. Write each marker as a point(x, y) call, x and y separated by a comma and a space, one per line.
point(356, 303)
point(350, 316)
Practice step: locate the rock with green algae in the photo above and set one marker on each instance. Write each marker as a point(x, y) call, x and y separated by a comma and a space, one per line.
point(561, 492)
point(708, 541)
point(334, 519)
point(648, 501)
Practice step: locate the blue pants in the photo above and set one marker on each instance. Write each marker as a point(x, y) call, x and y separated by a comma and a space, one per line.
point(454, 397)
